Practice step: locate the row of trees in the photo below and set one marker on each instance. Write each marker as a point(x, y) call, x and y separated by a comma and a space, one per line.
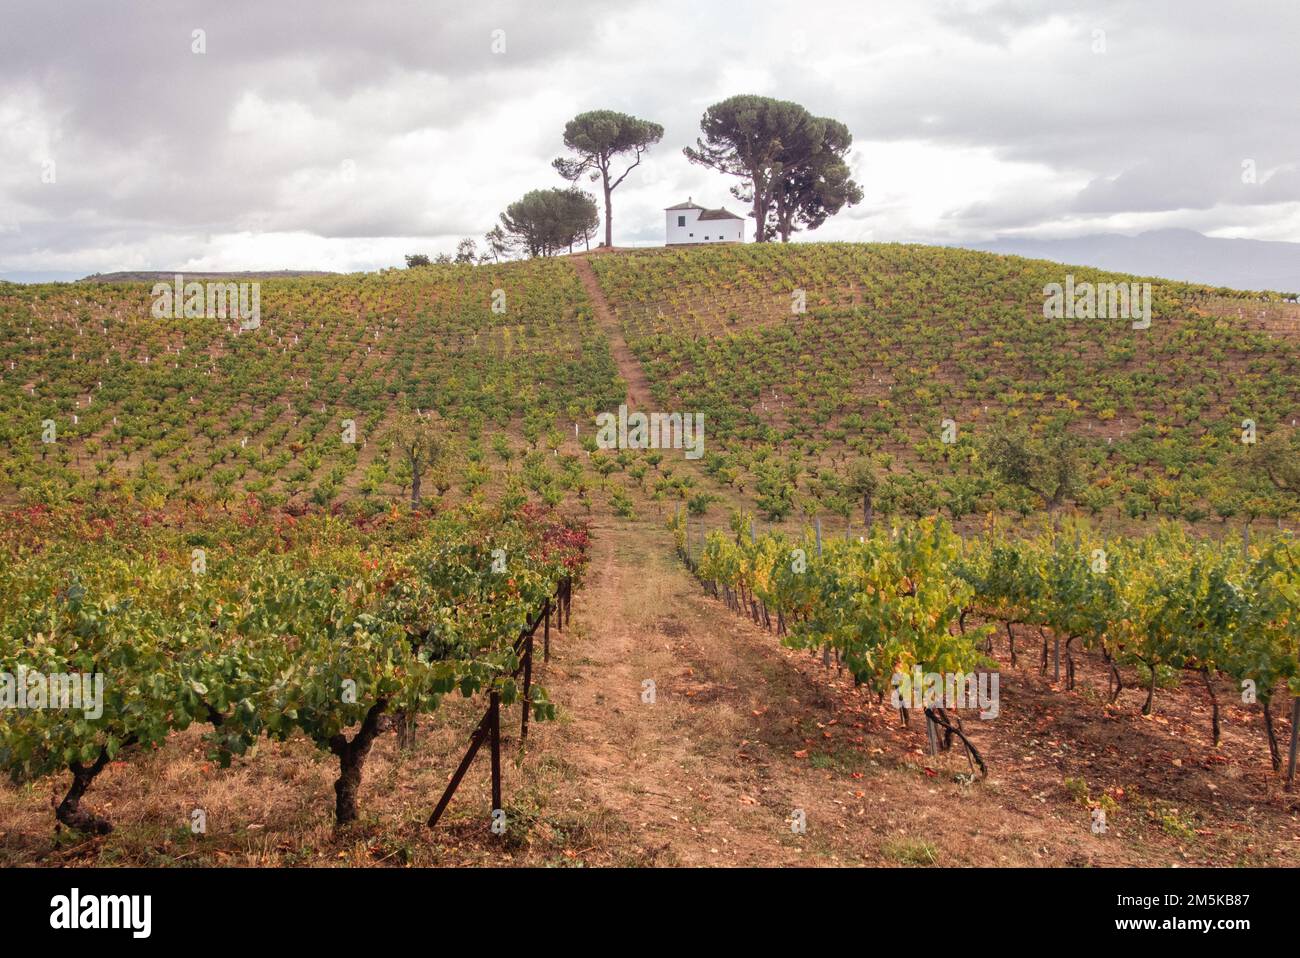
point(792, 166)
point(541, 223)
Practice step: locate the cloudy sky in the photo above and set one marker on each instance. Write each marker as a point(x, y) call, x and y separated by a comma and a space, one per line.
point(341, 135)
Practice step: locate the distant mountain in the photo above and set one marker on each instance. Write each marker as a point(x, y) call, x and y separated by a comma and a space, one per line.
point(146, 276)
point(1172, 254)
point(154, 276)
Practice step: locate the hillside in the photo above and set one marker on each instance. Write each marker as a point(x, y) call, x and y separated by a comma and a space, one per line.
point(894, 341)
point(160, 409)
point(219, 513)
point(897, 339)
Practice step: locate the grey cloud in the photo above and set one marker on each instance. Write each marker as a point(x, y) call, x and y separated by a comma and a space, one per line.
point(443, 133)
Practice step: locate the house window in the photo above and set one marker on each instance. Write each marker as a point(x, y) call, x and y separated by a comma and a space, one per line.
point(681, 221)
point(691, 235)
point(706, 237)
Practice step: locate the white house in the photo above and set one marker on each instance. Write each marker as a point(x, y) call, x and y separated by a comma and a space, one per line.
point(691, 223)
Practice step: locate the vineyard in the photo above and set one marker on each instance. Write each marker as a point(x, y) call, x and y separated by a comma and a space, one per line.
point(305, 556)
point(894, 341)
point(162, 409)
point(262, 627)
point(899, 601)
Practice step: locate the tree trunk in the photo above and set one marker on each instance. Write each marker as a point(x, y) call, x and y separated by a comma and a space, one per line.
point(1113, 680)
point(415, 486)
point(972, 753)
point(609, 222)
point(405, 722)
point(70, 812)
point(784, 215)
point(1151, 692)
point(760, 212)
point(867, 514)
point(352, 761)
point(1273, 752)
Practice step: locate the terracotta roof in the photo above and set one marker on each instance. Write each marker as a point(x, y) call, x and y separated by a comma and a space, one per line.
point(685, 206)
point(719, 214)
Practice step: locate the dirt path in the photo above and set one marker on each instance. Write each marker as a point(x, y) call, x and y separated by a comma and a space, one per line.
point(743, 732)
point(638, 387)
point(741, 735)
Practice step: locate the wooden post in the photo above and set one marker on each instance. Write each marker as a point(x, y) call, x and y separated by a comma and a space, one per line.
point(1295, 740)
point(528, 684)
point(819, 537)
point(546, 635)
point(495, 711)
point(475, 741)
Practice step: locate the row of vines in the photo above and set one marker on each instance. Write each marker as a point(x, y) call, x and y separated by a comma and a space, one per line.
point(260, 625)
point(909, 597)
